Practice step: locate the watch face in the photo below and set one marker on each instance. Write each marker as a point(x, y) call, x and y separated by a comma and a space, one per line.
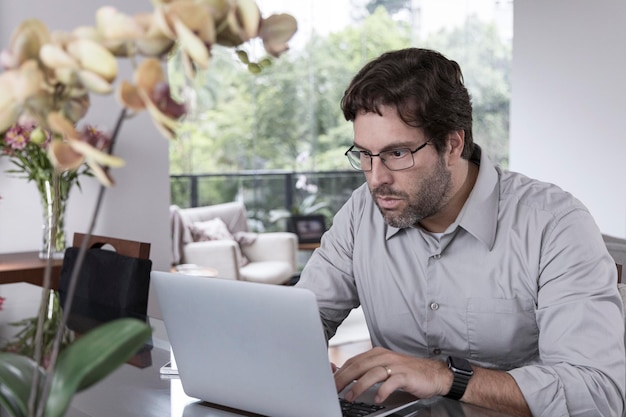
point(460, 365)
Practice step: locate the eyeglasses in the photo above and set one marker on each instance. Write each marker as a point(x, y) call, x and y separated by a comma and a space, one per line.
point(395, 159)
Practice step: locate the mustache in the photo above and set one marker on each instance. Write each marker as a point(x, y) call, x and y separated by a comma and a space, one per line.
point(386, 191)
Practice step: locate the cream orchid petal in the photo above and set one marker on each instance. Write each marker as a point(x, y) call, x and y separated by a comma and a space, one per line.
point(249, 16)
point(63, 157)
point(59, 124)
point(161, 21)
point(128, 96)
point(8, 116)
point(230, 33)
point(84, 32)
point(94, 83)
point(27, 39)
point(276, 31)
point(94, 57)
point(101, 174)
point(115, 25)
point(7, 98)
point(153, 42)
point(96, 155)
point(54, 56)
point(66, 75)
point(28, 81)
point(149, 74)
point(219, 8)
point(192, 44)
point(154, 46)
point(196, 16)
point(165, 124)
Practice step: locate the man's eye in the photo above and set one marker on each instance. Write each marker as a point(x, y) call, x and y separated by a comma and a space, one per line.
point(397, 153)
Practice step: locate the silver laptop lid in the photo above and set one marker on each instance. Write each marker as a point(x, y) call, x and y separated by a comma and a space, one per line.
point(254, 347)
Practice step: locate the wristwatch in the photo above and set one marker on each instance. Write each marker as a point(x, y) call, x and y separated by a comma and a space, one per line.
point(462, 371)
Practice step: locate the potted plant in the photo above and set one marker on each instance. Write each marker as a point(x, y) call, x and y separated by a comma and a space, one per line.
point(45, 88)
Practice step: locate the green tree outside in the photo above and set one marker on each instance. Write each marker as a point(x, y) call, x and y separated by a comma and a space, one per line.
point(288, 116)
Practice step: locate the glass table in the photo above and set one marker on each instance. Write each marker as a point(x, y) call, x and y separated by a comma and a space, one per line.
point(139, 389)
point(134, 392)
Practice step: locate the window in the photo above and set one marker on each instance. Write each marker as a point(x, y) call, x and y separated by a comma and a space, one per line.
point(288, 118)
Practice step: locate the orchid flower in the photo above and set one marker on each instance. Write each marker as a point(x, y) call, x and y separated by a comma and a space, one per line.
point(81, 63)
point(16, 88)
point(72, 151)
point(151, 92)
point(25, 43)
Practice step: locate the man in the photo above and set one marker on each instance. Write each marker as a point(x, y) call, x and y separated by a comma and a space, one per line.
point(476, 283)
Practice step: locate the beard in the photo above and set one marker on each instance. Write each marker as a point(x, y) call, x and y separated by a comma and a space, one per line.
point(424, 199)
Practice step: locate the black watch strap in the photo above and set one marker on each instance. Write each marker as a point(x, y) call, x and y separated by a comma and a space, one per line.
point(462, 371)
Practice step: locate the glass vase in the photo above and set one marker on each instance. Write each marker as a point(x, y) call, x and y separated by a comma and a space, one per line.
point(53, 202)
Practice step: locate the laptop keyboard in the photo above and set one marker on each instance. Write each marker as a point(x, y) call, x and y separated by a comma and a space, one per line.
point(357, 409)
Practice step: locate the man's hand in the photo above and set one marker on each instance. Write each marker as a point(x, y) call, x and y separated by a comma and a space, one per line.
point(424, 378)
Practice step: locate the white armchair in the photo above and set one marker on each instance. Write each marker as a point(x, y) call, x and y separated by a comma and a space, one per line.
point(259, 257)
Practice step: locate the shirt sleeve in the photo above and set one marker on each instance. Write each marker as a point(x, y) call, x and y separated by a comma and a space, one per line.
point(329, 273)
point(581, 326)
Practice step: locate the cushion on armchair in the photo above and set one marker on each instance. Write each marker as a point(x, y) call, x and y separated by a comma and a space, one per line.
point(216, 229)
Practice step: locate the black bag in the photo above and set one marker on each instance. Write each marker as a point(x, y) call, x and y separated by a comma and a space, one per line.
point(109, 286)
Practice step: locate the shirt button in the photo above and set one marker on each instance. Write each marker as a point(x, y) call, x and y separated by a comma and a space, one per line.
point(434, 306)
point(437, 256)
point(437, 351)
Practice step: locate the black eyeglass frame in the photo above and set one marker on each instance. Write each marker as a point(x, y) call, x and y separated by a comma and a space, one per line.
point(371, 155)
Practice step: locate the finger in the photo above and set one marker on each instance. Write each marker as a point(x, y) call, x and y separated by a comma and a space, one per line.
point(392, 384)
point(357, 366)
point(375, 375)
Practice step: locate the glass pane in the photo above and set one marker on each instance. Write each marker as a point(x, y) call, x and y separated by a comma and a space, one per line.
point(287, 119)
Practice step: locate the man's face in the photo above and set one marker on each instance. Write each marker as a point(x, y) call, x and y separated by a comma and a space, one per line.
point(404, 197)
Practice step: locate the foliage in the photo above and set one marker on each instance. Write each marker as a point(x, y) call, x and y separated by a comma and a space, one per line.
point(92, 357)
point(293, 106)
point(486, 69)
point(392, 6)
point(27, 149)
point(24, 342)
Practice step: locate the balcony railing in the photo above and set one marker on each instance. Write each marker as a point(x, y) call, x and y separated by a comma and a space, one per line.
point(267, 192)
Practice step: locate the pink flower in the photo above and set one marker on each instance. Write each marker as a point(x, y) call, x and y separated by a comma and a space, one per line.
point(96, 138)
point(17, 137)
point(1, 302)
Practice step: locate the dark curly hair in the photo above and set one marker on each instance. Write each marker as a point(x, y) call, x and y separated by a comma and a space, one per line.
point(425, 87)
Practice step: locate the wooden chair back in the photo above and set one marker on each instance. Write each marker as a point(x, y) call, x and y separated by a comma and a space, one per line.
point(124, 247)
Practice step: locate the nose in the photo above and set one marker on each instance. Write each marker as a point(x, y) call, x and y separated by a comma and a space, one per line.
point(379, 174)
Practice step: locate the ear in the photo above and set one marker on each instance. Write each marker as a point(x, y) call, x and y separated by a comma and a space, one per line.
point(456, 142)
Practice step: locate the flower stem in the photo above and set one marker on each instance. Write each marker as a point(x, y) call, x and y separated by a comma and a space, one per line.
point(72, 284)
point(45, 297)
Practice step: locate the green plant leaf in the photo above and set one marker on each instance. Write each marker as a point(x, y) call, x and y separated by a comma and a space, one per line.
point(83, 363)
point(16, 375)
point(92, 357)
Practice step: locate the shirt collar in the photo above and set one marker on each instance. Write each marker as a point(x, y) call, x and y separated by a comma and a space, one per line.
point(479, 215)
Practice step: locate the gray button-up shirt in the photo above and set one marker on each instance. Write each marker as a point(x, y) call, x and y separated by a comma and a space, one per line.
point(521, 282)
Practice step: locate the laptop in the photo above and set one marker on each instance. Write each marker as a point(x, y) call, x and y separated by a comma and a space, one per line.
point(253, 347)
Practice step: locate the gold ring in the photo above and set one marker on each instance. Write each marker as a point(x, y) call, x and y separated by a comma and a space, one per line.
point(388, 370)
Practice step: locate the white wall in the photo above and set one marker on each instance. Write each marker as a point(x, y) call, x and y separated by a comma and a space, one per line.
point(137, 207)
point(569, 101)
